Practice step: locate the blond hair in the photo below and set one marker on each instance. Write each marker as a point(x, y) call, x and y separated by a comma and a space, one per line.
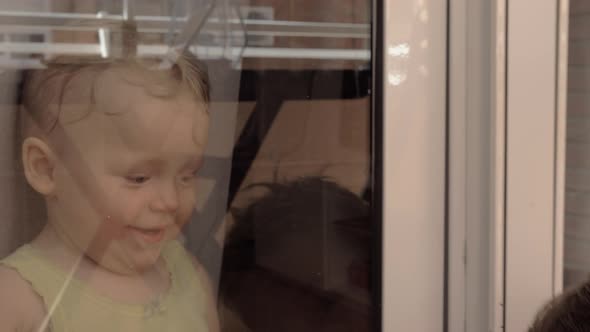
point(41, 87)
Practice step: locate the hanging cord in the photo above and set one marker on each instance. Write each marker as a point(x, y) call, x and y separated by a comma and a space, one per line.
point(188, 35)
point(236, 8)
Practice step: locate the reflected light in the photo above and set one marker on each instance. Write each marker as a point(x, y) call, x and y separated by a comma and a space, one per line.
point(396, 79)
point(424, 15)
point(401, 50)
point(103, 38)
point(423, 70)
point(424, 44)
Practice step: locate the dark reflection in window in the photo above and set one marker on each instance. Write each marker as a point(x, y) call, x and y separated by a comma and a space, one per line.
point(297, 254)
point(298, 258)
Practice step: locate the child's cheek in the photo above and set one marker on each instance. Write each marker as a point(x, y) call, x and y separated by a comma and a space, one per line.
point(123, 212)
point(187, 207)
point(112, 226)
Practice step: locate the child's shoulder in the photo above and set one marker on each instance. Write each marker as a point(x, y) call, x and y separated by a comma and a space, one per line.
point(21, 308)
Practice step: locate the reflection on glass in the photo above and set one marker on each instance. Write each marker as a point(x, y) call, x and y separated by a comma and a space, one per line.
point(270, 221)
point(402, 50)
point(102, 169)
point(297, 252)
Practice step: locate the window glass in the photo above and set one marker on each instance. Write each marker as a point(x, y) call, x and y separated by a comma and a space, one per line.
point(172, 165)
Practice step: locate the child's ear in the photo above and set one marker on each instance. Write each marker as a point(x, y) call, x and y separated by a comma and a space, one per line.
point(39, 165)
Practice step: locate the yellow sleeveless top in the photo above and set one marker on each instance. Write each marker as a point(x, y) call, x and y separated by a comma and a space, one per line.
point(79, 308)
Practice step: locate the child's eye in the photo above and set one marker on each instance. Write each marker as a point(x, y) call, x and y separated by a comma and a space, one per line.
point(189, 177)
point(137, 179)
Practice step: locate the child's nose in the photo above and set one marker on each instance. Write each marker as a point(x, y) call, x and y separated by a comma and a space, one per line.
point(167, 198)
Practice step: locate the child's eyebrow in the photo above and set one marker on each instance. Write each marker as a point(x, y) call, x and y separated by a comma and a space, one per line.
point(146, 163)
point(191, 161)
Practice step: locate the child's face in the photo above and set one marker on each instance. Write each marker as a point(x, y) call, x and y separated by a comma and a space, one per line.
point(125, 175)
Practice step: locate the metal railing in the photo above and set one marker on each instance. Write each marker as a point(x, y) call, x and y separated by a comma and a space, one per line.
point(22, 23)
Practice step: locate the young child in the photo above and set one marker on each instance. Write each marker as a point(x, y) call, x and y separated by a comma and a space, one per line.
point(113, 146)
point(569, 312)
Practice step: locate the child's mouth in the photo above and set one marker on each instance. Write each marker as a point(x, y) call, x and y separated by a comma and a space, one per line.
point(150, 235)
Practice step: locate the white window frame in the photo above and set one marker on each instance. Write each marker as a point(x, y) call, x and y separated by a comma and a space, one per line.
point(508, 196)
point(414, 170)
point(506, 185)
point(476, 165)
point(535, 151)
